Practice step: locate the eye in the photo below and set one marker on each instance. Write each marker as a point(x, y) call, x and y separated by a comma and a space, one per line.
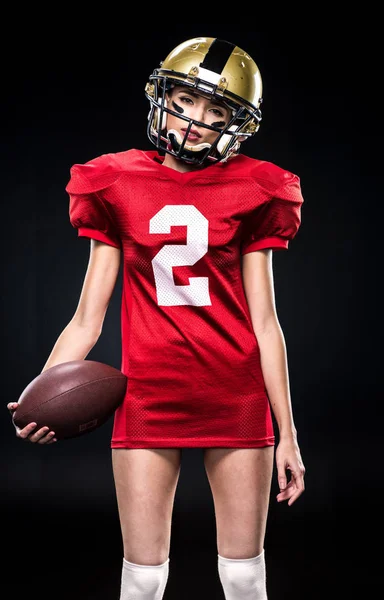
point(218, 112)
point(185, 99)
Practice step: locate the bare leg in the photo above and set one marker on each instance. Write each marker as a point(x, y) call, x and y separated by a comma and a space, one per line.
point(240, 481)
point(145, 481)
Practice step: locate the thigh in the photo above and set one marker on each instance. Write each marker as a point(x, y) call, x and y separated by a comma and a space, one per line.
point(240, 480)
point(145, 482)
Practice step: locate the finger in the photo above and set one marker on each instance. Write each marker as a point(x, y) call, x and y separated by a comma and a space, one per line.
point(12, 405)
point(295, 497)
point(300, 487)
point(51, 441)
point(26, 431)
point(282, 478)
point(287, 493)
point(46, 439)
point(296, 487)
point(36, 436)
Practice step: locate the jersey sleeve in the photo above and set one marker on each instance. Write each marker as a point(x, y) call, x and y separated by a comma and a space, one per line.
point(275, 222)
point(88, 212)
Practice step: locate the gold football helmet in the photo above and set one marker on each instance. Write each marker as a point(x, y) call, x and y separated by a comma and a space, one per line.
point(215, 68)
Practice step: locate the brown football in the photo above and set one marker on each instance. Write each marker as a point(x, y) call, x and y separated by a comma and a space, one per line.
point(72, 398)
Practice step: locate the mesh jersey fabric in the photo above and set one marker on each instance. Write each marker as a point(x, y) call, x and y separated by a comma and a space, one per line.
point(189, 351)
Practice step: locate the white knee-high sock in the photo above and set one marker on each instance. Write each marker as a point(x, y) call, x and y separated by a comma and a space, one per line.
point(143, 582)
point(243, 578)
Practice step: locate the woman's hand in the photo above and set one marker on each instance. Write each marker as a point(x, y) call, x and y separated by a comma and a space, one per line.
point(28, 433)
point(288, 457)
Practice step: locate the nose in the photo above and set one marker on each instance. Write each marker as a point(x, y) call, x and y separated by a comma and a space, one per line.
point(199, 113)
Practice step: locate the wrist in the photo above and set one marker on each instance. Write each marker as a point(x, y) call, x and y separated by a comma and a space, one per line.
point(288, 433)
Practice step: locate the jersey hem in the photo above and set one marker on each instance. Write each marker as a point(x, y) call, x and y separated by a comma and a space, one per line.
point(194, 443)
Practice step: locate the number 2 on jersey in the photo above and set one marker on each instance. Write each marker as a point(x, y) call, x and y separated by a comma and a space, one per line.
point(172, 255)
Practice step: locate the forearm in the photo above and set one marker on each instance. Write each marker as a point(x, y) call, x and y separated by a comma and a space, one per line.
point(274, 365)
point(74, 343)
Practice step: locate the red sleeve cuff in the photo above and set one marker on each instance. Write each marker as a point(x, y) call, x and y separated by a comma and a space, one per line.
point(97, 235)
point(274, 242)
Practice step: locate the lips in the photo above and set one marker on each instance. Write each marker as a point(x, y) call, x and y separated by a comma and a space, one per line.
point(192, 134)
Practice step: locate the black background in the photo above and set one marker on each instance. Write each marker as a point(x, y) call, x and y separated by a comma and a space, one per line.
point(68, 99)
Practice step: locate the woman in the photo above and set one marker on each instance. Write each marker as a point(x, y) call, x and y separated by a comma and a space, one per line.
point(195, 222)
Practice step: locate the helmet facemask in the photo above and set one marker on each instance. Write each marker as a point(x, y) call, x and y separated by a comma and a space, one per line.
point(242, 124)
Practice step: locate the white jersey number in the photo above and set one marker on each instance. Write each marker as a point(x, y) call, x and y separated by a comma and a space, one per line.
point(172, 255)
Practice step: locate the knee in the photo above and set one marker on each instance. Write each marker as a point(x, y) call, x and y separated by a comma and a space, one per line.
point(243, 578)
point(143, 581)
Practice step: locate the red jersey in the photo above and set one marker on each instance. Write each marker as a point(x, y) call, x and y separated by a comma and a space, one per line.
point(189, 351)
